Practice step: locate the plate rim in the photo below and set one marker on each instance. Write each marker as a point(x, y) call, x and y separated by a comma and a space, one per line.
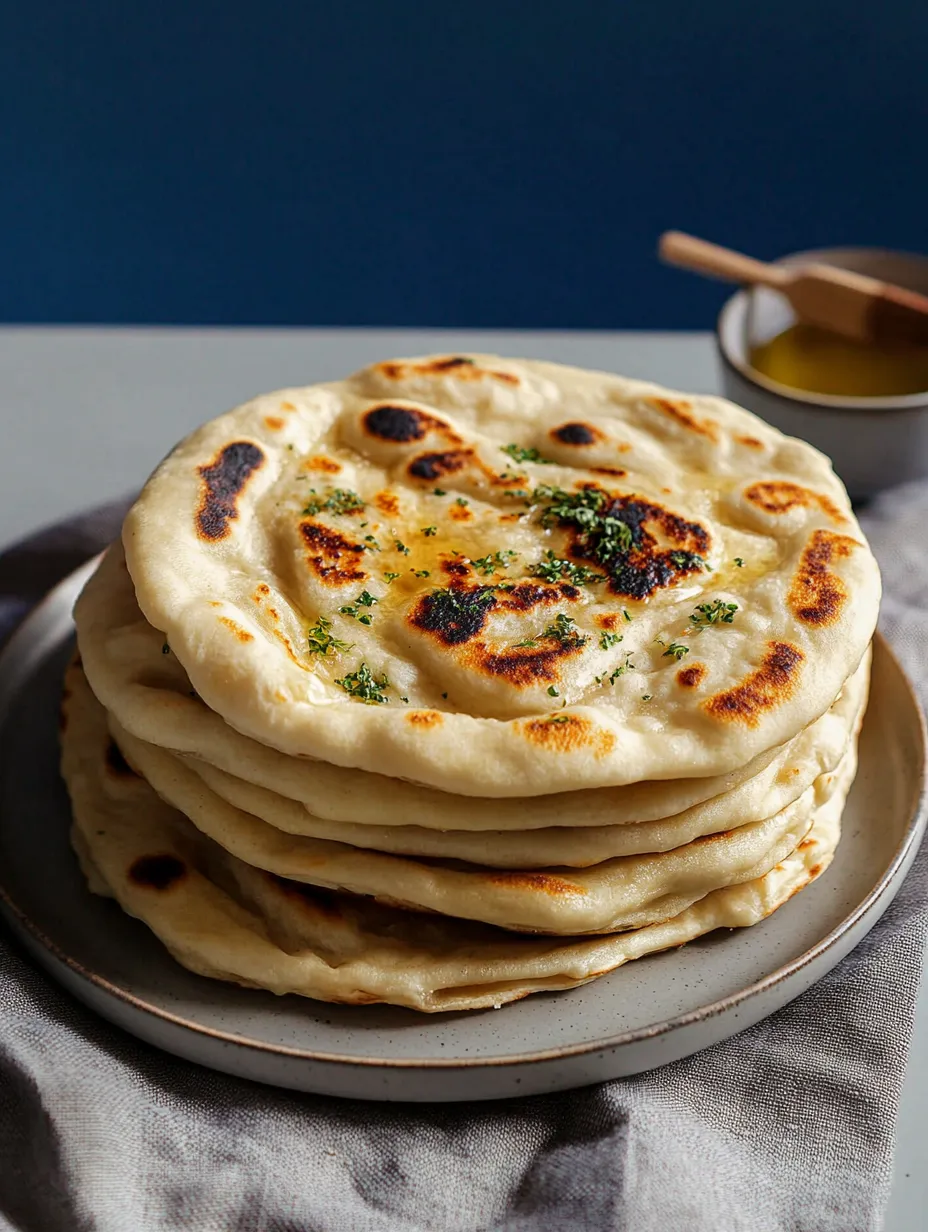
point(12, 679)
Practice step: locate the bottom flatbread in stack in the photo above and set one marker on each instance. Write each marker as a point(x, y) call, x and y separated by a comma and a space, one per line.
point(225, 918)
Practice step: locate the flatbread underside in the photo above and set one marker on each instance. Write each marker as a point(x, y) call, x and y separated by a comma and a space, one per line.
point(220, 917)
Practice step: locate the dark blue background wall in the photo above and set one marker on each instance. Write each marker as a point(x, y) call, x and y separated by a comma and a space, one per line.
point(445, 162)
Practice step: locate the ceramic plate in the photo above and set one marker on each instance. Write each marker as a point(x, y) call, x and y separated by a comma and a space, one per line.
point(651, 1011)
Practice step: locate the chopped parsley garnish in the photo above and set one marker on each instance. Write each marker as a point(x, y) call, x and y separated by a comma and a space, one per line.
point(364, 599)
point(165, 649)
point(559, 718)
point(401, 547)
point(462, 502)
point(607, 640)
point(552, 569)
point(563, 631)
point(604, 535)
point(321, 640)
point(675, 651)
point(689, 560)
point(428, 531)
point(626, 615)
point(365, 686)
point(372, 544)
point(340, 500)
point(520, 454)
point(391, 577)
point(439, 492)
point(488, 564)
point(552, 691)
point(420, 572)
point(646, 697)
point(405, 699)
point(715, 613)
point(739, 561)
point(529, 641)
point(626, 666)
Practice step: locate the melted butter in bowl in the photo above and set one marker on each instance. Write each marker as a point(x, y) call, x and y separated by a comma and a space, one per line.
point(806, 357)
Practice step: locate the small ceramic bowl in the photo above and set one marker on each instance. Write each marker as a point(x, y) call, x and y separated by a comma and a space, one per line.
point(874, 443)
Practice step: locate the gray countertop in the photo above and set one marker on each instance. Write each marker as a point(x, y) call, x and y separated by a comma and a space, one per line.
point(87, 413)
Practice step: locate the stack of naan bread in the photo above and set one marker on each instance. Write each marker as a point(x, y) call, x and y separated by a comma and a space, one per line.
point(465, 678)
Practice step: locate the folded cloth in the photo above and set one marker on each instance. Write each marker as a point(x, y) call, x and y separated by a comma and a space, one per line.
point(787, 1126)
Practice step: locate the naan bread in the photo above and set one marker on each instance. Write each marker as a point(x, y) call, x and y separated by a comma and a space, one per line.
point(812, 753)
point(366, 542)
point(223, 919)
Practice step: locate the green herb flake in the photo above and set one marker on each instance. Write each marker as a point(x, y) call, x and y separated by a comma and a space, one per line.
point(608, 640)
point(320, 639)
point(552, 691)
point(689, 560)
point(626, 615)
point(401, 547)
point(715, 613)
point(364, 599)
point(439, 492)
point(429, 531)
point(420, 572)
point(165, 649)
point(646, 697)
point(391, 577)
point(552, 568)
point(563, 631)
point(559, 718)
point(529, 642)
point(338, 501)
point(364, 686)
point(604, 535)
point(519, 453)
point(675, 651)
point(487, 565)
point(462, 502)
point(739, 561)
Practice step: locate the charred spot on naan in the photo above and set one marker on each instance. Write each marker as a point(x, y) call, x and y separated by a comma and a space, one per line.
point(401, 425)
point(750, 441)
point(569, 733)
point(521, 666)
point(538, 883)
point(157, 872)
point(333, 558)
point(692, 676)
point(319, 462)
point(681, 411)
point(615, 471)
point(645, 567)
point(242, 634)
point(817, 594)
point(778, 496)
point(455, 615)
point(762, 690)
point(274, 422)
point(576, 433)
point(388, 503)
point(436, 465)
point(424, 718)
point(431, 466)
point(459, 366)
point(222, 482)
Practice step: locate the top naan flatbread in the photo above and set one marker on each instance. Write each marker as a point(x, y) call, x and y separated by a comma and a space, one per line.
point(505, 578)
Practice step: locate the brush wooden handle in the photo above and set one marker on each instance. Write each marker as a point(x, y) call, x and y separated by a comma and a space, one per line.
point(677, 248)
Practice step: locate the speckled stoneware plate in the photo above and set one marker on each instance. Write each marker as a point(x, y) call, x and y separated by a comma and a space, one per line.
point(652, 1011)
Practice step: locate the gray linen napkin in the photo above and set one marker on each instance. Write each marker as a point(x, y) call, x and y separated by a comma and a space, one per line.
point(787, 1126)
